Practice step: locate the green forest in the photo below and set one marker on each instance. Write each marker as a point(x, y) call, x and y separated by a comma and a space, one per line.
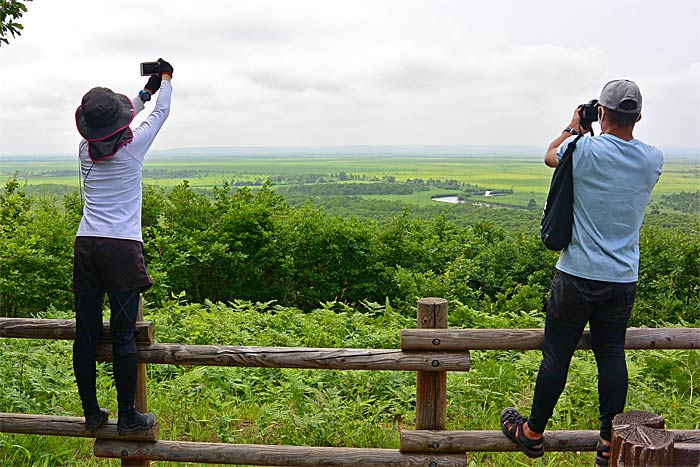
point(315, 266)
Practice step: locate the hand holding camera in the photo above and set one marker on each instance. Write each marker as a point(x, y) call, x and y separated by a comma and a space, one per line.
point(155, 71)
point(164, 68)
point(575, 123)
point(588, 113)
point(584, 115)
point(159, 67)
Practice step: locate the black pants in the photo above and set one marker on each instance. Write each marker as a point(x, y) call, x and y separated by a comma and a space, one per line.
point(88, 308)
point(573, 302)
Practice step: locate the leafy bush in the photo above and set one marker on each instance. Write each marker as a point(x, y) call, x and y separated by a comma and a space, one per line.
point(669, 277)
point(242, 245)
point(36, 242)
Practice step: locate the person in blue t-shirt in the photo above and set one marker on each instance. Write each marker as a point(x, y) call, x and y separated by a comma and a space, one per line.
point(596, 277)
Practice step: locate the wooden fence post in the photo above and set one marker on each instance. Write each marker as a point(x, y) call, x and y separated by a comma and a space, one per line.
point(431, 386)
point(140, 398)
point(639, 440)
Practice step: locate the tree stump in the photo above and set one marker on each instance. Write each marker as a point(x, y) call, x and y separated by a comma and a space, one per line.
point(639, 440)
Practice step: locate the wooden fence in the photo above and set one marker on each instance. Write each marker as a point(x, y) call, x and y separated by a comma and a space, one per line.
point(431, 350)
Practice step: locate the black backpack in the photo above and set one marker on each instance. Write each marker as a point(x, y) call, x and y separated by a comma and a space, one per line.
point(558, 214)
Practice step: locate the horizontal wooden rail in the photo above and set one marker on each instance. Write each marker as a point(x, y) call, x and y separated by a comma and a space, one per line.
point(257, 454)
point(557, 440)
point(296, 357)
point(422, 350)
point(31, 328)
point(531, 339)
point(686, 454)
point(67, 426)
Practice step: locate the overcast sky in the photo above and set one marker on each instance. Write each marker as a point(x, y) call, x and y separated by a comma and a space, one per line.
point(359, 72)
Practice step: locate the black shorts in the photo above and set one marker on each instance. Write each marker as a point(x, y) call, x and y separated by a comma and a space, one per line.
point(109, 265)
point(573, 300)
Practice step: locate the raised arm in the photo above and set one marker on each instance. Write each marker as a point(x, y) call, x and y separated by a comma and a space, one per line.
point(145, 94)
point(146, 132)
point(574, 128)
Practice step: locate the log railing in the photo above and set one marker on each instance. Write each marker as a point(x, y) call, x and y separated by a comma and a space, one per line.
point(431, 351)
point(531, 339)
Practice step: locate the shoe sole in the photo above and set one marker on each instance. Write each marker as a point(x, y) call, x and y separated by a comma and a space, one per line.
point(124, 432)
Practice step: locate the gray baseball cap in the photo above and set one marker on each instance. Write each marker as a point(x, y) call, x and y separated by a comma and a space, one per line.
point(621, 95)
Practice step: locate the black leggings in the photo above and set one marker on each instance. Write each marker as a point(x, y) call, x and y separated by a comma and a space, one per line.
point(88, 309)
point(572, 303)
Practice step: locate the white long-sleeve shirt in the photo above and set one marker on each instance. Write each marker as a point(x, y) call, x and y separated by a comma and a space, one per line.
point(113, 186)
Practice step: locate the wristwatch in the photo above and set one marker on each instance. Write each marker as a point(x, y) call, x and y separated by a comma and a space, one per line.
point(145, 96)
point(568, 129)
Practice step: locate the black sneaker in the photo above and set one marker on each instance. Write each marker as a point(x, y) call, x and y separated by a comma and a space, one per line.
point(96, 419)
point(133, 420)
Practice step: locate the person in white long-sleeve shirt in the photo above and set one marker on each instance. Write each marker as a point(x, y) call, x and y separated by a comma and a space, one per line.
point(108, 251)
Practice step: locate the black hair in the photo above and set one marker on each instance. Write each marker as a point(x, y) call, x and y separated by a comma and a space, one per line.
point(619, 119)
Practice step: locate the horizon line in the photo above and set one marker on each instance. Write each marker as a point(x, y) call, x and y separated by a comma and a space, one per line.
point(679, 150)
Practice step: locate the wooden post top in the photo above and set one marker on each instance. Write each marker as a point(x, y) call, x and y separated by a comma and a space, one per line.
point(432, 301)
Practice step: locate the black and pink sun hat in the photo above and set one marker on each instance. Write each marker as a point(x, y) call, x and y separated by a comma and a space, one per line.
point(103, 113)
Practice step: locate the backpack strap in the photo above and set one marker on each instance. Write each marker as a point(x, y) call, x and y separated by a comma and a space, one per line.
point(570, 148)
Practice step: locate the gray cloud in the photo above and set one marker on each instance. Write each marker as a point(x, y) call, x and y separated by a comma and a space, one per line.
point(289, 82)
point(265, 72)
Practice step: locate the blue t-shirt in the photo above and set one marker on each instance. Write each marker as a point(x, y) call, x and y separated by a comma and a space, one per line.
point(613, 179)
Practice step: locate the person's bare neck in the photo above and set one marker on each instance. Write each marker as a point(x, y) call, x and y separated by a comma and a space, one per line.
point(624, 133)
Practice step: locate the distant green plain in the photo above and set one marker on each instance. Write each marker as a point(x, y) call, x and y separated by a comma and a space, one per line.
point(527, 176)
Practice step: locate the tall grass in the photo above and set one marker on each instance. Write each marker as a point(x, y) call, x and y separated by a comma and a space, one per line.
point(323, 407)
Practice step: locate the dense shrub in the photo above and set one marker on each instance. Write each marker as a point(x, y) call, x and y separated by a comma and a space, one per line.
point(254, 245)
point(36, 241)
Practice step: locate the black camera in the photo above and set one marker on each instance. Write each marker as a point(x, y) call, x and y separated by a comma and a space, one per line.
point(588, 113)
point(149, 68)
